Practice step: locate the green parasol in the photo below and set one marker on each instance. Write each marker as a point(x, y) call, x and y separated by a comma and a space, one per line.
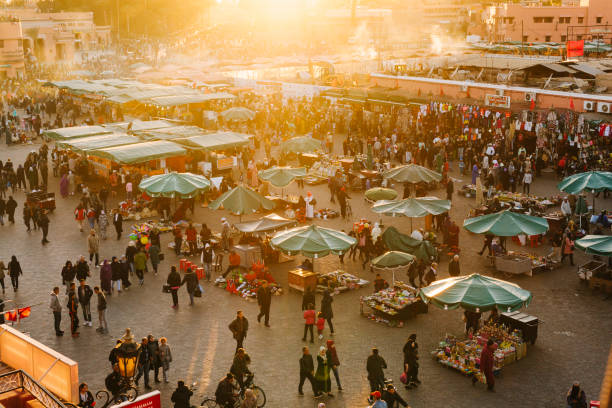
point(241, 200)
point(312, 241)
point(476, 293)
point(506, 224)
point(392, 260)
point(412, 173)
point(590, 180)
point(413, 207)
point(183, 185)
point(595, 244)
point(281, 176)
point(237, 115)
point(301, 144)
point(396, 241)
point(380, 193)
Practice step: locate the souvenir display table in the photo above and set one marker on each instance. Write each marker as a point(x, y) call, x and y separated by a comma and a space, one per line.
point(515, 262)
point(244, 283)
point(464, 355)
point(339, 281)
point(394, 304)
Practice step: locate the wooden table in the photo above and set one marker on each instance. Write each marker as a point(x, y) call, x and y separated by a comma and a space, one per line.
point(301, 279)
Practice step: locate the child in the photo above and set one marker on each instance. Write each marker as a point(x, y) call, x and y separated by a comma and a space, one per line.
point(320, 325)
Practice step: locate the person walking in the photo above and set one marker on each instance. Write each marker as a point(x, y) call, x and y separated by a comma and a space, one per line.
point(450, 189)
point(165, 357)
point(73, 307)
point(375, 366)
point(334, 362)
point(2, 207)
point(309, 321)
point(115, 266)
point(140, 264)
point(207, 259)
point(306, 371)
point(181, 396)
point(82, 269)
point(106, 277)
point(568, 248)
point(68, 275)
point(118, 222)
point(326, 309)
point(143, 364)
point(79, 216)
point(191, 279)
point(14, 269)
point(153, 346)
point(11, 206)
point(527, 180)
point(93, 246)
point(101, 311)
point(192, 235)
point(454, 268)
point(411, 365)
point(322, 373)
point(85, 293)
point(43, 223)
point(56, 308)
point(308, 298)
point(486, 365)
point(239, 328)
point(178, 239)
point(3, 268)
point(154, 256)
point(174, 282)
point(264, 299)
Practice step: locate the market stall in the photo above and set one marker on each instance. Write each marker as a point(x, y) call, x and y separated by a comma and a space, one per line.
point(464, 355)
point(596, 273)
point(245, 282)
point(394, 305)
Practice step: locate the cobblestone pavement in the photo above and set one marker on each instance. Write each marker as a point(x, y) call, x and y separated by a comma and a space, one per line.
point(572, 344)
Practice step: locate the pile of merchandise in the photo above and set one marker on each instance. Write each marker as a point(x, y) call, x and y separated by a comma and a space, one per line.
point(244, 283)
point(536, 261)
point(464, 356)
point(326, 213)
point(339, 281)
point(144, 228)
point(394, 304)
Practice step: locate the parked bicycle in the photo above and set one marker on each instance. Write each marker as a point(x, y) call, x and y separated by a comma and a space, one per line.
point(260, 396)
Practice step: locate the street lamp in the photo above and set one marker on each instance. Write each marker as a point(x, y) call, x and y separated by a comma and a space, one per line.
point(127, 358)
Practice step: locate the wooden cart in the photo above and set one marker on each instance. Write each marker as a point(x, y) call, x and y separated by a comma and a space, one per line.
point(301, 279)
point(513, 265)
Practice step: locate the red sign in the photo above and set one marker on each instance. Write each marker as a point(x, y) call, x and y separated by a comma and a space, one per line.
point(575, 48)
point(150, 400)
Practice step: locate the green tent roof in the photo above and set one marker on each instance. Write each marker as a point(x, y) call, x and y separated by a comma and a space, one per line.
point(396, 241)
point(590, 180)
point(140, 152)
point(76, 132)
point(215, 141)
point(98, 142)
point(177, 100)
point(506, 224)
point(139, 125)
point(173, 132)
point(595, 244)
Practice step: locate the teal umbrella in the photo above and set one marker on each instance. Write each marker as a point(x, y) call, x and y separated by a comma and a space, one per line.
point(301, 144)
point(183, 185)
point(412, 173)
point(595, 244)
point(237, 114)
point(413, 207)
point(380, 193)
point(312, 241)
point(396, 241)
point(476, 293)
point(506, 224)
point(392, 260)
point(594, 181)
point(241, 200)
point(281, 176)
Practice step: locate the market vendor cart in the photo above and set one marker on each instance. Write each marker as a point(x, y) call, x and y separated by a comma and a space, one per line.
point(590, 269)
point(527, 324)
point(395, 304)
point(42, 200)
point(301, 279)
point(513, 265)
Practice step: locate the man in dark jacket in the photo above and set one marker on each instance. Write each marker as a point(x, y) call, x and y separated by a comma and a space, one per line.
point(264, 298)
point(224, 394)
point(11, 205)
point(239, 327)
point(306, 371)
point(375, 366)
point(392, 398)
point(43, 222)
point(191, 279)
point(82, 269)
point(174, 281)
point(450, 188)
point(84, 293)
point(411, 365)
point(118, 223)
point(143, 363)
point(453, 266)
point(181, 396)
point(153, 346)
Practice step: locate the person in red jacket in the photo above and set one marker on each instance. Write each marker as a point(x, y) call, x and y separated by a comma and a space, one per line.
point(79, 215)
point(486, 364)
point(192, 235)
point(309, 321)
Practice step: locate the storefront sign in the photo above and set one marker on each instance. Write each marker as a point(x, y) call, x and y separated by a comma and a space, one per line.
point(150, 400)
point(497, 101)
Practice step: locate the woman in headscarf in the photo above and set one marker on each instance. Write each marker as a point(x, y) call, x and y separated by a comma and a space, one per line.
point(64, 186)
point(322, 374)
point(106, 276)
